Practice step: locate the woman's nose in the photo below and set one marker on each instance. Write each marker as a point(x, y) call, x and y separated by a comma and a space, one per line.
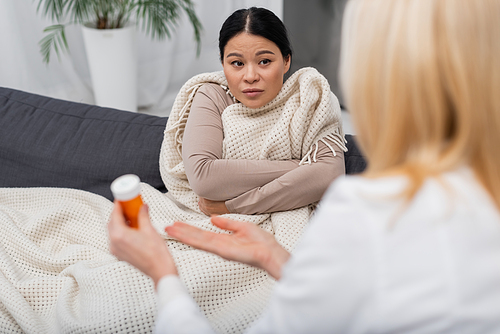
point(251, 74)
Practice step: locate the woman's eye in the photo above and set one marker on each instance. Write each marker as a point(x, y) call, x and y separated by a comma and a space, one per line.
point(237, 63)
point(264, 62)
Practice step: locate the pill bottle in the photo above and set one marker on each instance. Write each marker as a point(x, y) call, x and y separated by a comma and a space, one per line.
point(126, 190)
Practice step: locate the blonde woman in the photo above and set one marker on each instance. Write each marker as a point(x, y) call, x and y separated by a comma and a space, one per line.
point(412, 246)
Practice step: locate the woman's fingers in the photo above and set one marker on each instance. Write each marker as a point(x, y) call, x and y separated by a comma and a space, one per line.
point(209, 207)
point(201, 206)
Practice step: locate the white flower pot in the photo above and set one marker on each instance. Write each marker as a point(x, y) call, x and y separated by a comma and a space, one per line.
point(112, 58)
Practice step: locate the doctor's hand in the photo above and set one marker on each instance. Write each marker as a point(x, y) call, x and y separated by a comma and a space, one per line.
point(143, 247)
point(247, 243)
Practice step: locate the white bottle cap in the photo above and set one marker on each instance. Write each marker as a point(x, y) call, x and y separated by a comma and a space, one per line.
point(126, 187)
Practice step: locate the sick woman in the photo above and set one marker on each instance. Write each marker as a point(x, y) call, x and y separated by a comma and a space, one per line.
point(250, 144)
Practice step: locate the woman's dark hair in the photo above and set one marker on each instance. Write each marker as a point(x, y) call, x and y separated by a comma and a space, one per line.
point(255, 21)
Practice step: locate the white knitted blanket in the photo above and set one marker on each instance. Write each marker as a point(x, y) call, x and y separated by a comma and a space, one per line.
point(57, 275)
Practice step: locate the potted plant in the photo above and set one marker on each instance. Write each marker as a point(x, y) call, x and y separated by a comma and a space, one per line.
point(109, 34)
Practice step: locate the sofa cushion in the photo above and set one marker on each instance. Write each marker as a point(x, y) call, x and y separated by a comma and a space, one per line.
point(46, 142)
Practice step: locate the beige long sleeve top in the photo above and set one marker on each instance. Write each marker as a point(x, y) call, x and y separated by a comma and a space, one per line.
point(248, 186)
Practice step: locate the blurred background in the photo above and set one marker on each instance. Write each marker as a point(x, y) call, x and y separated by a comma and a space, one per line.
point(163, 66)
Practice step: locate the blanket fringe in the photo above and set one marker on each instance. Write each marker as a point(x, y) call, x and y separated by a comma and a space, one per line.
point(336, 137)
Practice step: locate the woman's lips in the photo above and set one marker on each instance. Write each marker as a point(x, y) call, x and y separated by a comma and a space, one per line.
point(252, 92)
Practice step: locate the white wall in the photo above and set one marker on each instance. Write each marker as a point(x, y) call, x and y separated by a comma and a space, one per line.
point(163, 65)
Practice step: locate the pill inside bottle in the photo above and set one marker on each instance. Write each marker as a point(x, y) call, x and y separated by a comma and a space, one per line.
point(126, 190)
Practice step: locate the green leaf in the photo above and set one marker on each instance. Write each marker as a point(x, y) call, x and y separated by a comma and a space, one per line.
point(55, 39)
point(80, 10)
point(157, 17)
point(160, 17)
point(52, 9)
point(188, 7)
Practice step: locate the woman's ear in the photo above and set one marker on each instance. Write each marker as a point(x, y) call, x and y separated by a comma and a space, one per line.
point(287, 62)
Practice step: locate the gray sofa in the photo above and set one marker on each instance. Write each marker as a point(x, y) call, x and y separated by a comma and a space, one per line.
point(46, 142)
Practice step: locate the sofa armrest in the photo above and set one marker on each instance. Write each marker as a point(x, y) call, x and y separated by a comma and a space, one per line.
point(46, 142)
point(355, 163)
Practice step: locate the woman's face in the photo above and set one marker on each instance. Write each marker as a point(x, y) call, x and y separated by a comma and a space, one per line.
point(254, 69)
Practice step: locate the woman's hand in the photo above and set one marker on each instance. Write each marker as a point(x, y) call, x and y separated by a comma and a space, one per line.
point(247, 244)
point(143, 247)
point(209, 207)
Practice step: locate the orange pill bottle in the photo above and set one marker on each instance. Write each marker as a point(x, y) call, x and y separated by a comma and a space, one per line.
point(126, 190)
